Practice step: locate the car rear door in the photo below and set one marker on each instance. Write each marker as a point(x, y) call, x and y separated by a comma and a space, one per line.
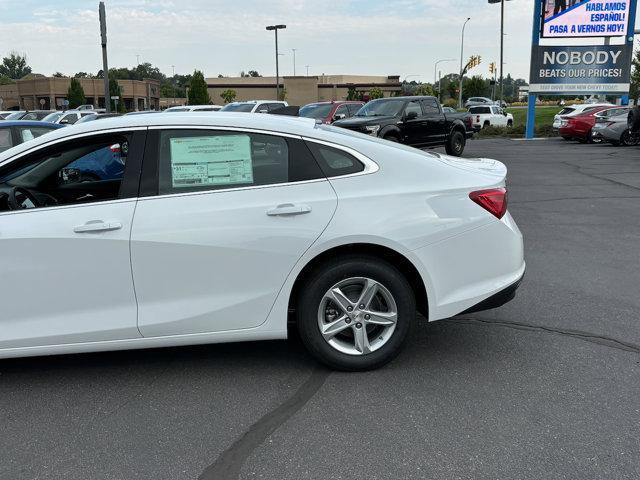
point(65, 262)
point(435, 128)
point(225, 216)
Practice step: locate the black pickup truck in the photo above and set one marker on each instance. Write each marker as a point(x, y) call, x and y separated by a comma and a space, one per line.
point(415, 121)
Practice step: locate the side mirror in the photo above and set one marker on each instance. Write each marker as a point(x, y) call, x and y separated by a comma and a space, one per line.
point(64, 121)
point(410, 116)
point(263, 111)
point(339, 116)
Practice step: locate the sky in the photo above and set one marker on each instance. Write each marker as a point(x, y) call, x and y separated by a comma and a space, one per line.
point(359, 37)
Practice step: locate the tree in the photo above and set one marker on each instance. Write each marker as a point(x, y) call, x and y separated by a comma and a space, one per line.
point(59, 75)
point(75, 94)
point(198, 94)
point(283, 95)
point(375, 92)
point(254, 73)
point(83, 75)
point(4, 80)
point(228, 95)
point(424, 89)
point(634, 92)
point(476, 86)
point(115, 91)
point(15, 66)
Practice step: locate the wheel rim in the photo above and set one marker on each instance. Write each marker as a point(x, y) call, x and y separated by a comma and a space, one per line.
point(357, 316)
point(457, 144)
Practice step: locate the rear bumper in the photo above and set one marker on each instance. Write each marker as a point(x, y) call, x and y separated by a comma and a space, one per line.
point(497, 299)
point(466, 270)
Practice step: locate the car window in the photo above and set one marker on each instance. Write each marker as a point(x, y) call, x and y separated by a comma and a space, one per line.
point(204, 109)
point(335, 162)
point(565, 111)
point(341, 110)
point(413, 107)
point(480, 110)
point(69, 118)
point(6, 141)
point(30, 116)
point(354, 107)
point(430, 106)
point(29, 133)
point(274, 106)
point(79, 171)
point(315, 110)
point(202, 160)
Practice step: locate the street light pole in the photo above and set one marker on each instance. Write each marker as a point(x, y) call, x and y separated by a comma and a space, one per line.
point(307, 67)
point(275, 28)
point(461, 61)
point(294, 61)
point(435, 74)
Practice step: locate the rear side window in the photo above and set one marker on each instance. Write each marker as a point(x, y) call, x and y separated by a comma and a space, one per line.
point(6, 141)
point(202, 160)
point(335, 162)
point(29, 133)
point(430, 106)
point(480, 110)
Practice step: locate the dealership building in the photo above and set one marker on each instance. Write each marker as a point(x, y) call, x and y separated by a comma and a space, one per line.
point(300, 90)
point(49, 93)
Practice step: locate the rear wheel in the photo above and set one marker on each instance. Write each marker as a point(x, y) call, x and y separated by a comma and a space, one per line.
point(354, 313)
point(626, 139)
point(566, 138)
point(392, 138)
point(486, 124)
point(455, 144)
point(509, 123)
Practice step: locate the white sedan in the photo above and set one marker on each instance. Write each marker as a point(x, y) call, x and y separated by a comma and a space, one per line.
point(154, 230)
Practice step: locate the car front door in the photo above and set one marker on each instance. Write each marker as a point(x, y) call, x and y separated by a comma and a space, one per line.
point(414, 124)
point(217, 233)
point(64, 242)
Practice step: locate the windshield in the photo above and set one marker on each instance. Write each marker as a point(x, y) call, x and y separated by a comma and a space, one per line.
point(15, 116)
point(316, 110)
point(381, 108)
point(238, 107)
point(52, 117)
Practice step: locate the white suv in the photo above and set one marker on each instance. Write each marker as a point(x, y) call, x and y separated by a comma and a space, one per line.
point(255, 106)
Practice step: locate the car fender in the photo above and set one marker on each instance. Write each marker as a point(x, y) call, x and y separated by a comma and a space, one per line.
point(277, 318)
point(390, 129)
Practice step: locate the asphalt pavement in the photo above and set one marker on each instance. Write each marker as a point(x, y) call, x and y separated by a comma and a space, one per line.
point(547, 386)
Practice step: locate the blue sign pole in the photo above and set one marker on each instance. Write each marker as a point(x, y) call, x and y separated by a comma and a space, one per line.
point(630, 32)
point(535, 41)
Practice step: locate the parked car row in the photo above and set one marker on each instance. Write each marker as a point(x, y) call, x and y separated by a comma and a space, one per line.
point(595, 123)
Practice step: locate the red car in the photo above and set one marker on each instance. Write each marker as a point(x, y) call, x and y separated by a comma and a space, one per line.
point(578, 127)
point(329, 112)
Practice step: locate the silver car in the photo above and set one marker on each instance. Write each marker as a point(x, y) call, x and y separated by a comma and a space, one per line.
point(611, 126)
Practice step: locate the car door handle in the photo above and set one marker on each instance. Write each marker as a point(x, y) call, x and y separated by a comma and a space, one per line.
point(288, 209)
point(97, 226)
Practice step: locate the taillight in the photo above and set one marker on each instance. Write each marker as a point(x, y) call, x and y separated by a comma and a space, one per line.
point(493, 200)
point(477, 118)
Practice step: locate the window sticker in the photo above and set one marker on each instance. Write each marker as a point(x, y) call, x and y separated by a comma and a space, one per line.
point(211, 160)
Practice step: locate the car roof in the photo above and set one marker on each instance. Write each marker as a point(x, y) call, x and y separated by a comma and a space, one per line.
point(29, 123)
point(275, 123)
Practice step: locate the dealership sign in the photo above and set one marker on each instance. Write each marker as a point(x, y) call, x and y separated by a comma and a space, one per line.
point(585, 18)
point(587, 70)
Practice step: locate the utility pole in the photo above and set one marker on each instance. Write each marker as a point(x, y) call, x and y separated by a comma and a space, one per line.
point(275, 28)
point(137, 59)
point(461, 62)
point(501, 53)
point(294, 61)
point(105, 67)
point(173, 85)
point(307, 67)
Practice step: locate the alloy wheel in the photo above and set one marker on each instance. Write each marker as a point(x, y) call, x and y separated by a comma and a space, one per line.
point(357, 316)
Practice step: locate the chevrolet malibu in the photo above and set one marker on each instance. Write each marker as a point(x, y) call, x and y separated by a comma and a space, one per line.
point(222, 228)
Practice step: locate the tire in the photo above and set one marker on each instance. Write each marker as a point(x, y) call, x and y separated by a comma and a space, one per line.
point(486, 124)
point(625, 139)
point(392, 138)
point(566, 138)
point(633, 120)
point(316, 307)
point(509, 124)
point(455, 144)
